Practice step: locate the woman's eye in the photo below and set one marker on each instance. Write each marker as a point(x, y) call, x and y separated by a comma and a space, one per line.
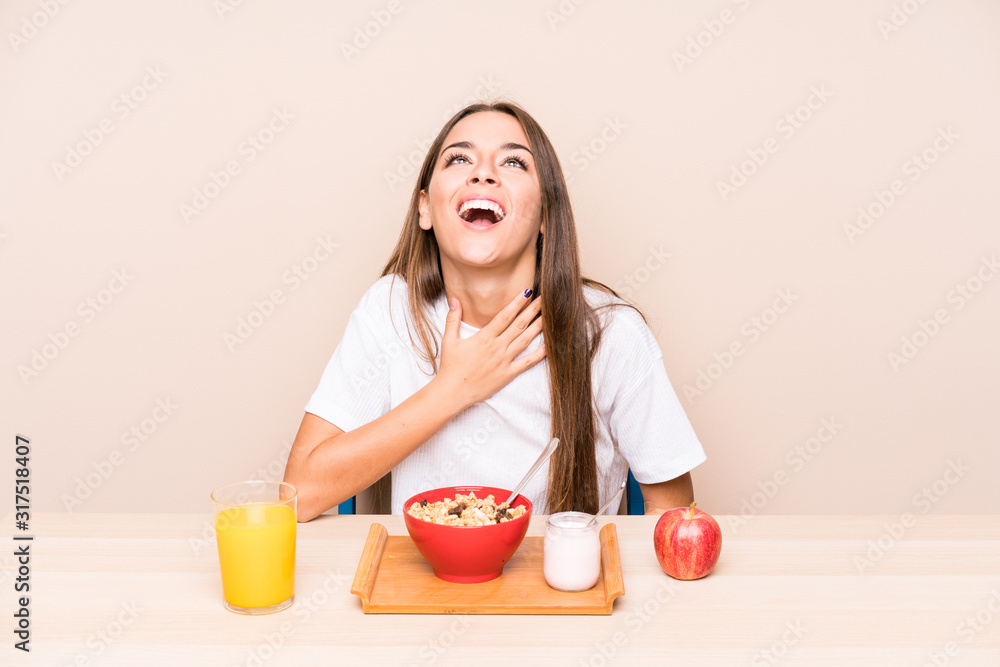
point(515, 161)
point(454, 159)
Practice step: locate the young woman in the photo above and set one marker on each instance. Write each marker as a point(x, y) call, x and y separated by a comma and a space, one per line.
point(442, 376)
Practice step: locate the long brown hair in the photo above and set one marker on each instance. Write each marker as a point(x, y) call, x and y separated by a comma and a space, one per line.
point(571, 326)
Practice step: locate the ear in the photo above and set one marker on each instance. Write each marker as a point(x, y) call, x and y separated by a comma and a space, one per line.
point(423, 207)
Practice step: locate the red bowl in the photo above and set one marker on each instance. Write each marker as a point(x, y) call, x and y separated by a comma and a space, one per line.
point(467, 554)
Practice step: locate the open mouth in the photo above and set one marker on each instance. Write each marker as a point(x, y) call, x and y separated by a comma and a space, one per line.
point(481, 211)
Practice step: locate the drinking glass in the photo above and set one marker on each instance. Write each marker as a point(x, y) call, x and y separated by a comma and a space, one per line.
point(255, 529)
point(571, 552)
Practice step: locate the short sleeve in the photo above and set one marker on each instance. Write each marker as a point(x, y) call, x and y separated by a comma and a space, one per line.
point(644, 415)
point(354, 388)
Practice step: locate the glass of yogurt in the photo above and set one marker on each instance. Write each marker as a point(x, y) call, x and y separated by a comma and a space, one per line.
point(571, 552)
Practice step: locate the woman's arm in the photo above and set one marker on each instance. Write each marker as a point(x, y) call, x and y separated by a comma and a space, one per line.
point(678, 492)
point(328, 465)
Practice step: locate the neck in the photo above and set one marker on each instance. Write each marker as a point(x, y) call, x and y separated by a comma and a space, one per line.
point(484, 292)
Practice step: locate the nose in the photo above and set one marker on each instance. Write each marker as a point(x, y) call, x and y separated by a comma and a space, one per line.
point(484, 172)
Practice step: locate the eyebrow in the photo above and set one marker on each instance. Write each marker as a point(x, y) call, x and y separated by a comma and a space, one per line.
point(508, 146)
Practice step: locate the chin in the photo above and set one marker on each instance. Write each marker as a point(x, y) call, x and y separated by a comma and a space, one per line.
point(476, 259)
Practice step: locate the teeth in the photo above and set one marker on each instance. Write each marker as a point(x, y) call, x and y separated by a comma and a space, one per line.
point(485, 204)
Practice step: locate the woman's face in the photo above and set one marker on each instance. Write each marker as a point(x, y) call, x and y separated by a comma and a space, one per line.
point(483, 201)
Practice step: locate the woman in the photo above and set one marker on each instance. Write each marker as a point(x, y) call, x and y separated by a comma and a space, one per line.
point(442, 377)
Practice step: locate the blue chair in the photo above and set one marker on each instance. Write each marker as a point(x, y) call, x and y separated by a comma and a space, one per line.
point(633, 496)
point(349, 506)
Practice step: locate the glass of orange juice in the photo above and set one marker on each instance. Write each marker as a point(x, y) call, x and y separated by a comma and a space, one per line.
point(255, 529)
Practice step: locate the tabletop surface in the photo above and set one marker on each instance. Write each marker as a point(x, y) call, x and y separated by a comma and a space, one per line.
point(144, 589)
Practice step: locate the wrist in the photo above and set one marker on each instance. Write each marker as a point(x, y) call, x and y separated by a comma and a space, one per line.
point(446, 395)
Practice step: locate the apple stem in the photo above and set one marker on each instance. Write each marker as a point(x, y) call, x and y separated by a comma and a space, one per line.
point(691, 511)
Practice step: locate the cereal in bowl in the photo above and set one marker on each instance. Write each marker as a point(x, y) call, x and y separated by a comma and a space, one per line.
point(465, 511)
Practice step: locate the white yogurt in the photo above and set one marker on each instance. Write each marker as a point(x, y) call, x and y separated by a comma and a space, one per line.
point(572, 552)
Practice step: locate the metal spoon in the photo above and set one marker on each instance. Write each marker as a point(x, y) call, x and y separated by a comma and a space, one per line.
point(608, 504)
point(543, 457)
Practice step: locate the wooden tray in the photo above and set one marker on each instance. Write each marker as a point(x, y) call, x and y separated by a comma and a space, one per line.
point(393, 578)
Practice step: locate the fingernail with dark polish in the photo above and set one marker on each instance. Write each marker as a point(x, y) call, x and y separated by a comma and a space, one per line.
point(527, 293)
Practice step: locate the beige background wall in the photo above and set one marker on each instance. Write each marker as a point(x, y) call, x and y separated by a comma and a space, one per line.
point(126, 311)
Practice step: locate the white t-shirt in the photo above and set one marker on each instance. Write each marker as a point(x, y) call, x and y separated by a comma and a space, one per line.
point(640, 423)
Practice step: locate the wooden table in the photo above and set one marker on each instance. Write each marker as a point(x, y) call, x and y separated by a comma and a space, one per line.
point(140, 590)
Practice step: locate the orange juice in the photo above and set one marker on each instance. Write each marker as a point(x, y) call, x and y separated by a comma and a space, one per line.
point(256, 554)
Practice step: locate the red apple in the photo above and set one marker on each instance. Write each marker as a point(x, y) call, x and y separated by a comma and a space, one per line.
point(687, 542)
